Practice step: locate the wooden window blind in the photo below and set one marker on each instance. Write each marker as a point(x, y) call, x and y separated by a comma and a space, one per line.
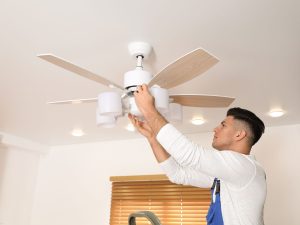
point(172, 203)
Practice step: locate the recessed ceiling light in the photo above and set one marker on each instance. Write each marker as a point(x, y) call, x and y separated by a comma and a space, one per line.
point(130, 127)
point(197, 121)
point(77, 132)
point(111, 86)
point(276, 113)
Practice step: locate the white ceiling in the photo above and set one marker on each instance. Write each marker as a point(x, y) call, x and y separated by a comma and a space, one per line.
point(256, 41)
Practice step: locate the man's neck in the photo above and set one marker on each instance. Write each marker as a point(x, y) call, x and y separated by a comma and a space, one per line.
point(241, 149)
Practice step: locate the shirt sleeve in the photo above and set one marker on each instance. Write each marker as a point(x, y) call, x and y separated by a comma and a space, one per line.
point(187, 176)
point(235, 168)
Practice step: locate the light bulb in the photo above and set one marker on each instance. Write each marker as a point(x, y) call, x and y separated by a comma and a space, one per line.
point(276, 113)
point(130, 127)
point(77, 132)
point(197, 121)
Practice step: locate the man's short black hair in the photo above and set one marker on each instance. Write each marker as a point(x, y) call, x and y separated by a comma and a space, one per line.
point(255, 124)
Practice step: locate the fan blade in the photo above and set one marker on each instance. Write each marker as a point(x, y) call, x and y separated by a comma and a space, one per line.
point(202, 100)
point(184, 69)
point(74, 101)
point(78, 70)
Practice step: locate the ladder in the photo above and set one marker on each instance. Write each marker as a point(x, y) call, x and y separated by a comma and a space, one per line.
point(147, 214)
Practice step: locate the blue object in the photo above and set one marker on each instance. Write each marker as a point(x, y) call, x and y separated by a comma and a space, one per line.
point(214, 215)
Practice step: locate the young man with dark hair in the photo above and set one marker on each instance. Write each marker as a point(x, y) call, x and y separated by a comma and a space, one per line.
point(237, 181)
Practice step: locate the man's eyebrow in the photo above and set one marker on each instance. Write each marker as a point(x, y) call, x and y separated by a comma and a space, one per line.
point(223, 122)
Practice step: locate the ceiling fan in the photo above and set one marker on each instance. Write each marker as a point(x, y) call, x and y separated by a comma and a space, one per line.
point(112, 104)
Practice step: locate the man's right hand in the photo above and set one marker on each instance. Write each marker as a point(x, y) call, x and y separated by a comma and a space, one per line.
point(142, 127)
point(144, 100)
point(146, 104)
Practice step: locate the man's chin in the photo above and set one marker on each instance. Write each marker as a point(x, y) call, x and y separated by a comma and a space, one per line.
point(215, 146)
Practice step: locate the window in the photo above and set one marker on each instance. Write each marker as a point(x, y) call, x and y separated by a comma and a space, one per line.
point(172, 203)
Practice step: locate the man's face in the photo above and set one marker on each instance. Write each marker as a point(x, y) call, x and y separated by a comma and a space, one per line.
point(224, 134)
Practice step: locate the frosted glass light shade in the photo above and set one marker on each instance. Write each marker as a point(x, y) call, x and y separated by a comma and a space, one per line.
point(175, 112)
point(134, 110)
point(106, 121)
point(109, 103)
point(161, 98)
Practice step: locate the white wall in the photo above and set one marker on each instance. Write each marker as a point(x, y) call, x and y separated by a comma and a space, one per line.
point(18, 173)
point(279, 153)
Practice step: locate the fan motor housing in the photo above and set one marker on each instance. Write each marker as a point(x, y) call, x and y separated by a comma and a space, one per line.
point(136, 77)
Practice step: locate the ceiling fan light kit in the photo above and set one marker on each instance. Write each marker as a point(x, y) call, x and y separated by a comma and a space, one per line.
point(161, 97)
point(109, 103)
point(106, 121)
point(133, 109)
point(112, 104)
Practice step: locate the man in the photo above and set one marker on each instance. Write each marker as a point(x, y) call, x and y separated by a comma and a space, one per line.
point(237, 181)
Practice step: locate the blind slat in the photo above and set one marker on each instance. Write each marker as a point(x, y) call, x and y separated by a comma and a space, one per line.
point(173, 204)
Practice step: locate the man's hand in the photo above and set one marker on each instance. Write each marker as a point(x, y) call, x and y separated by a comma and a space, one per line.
point(142, 127)
point(153, 121)
point(145, 102)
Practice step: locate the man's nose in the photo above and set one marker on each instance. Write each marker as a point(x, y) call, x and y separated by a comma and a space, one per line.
point(215, 129)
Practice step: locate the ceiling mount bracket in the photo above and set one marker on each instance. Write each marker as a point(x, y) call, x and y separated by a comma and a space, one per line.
point(139, 49)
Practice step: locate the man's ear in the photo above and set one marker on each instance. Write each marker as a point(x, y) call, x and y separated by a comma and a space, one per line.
point(240, 134)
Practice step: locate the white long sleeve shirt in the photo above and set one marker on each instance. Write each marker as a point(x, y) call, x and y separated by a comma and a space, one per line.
point(243, 180)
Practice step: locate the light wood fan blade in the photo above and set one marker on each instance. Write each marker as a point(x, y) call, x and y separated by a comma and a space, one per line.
point(202, 100)
point(184, 69)
point(74, 101)
point(78, 70)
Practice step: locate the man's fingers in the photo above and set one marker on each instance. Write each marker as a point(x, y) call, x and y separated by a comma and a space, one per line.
point(134, 120)
point(130, 116)
point(138, 90)
point(144, 87)
point(141, 88)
